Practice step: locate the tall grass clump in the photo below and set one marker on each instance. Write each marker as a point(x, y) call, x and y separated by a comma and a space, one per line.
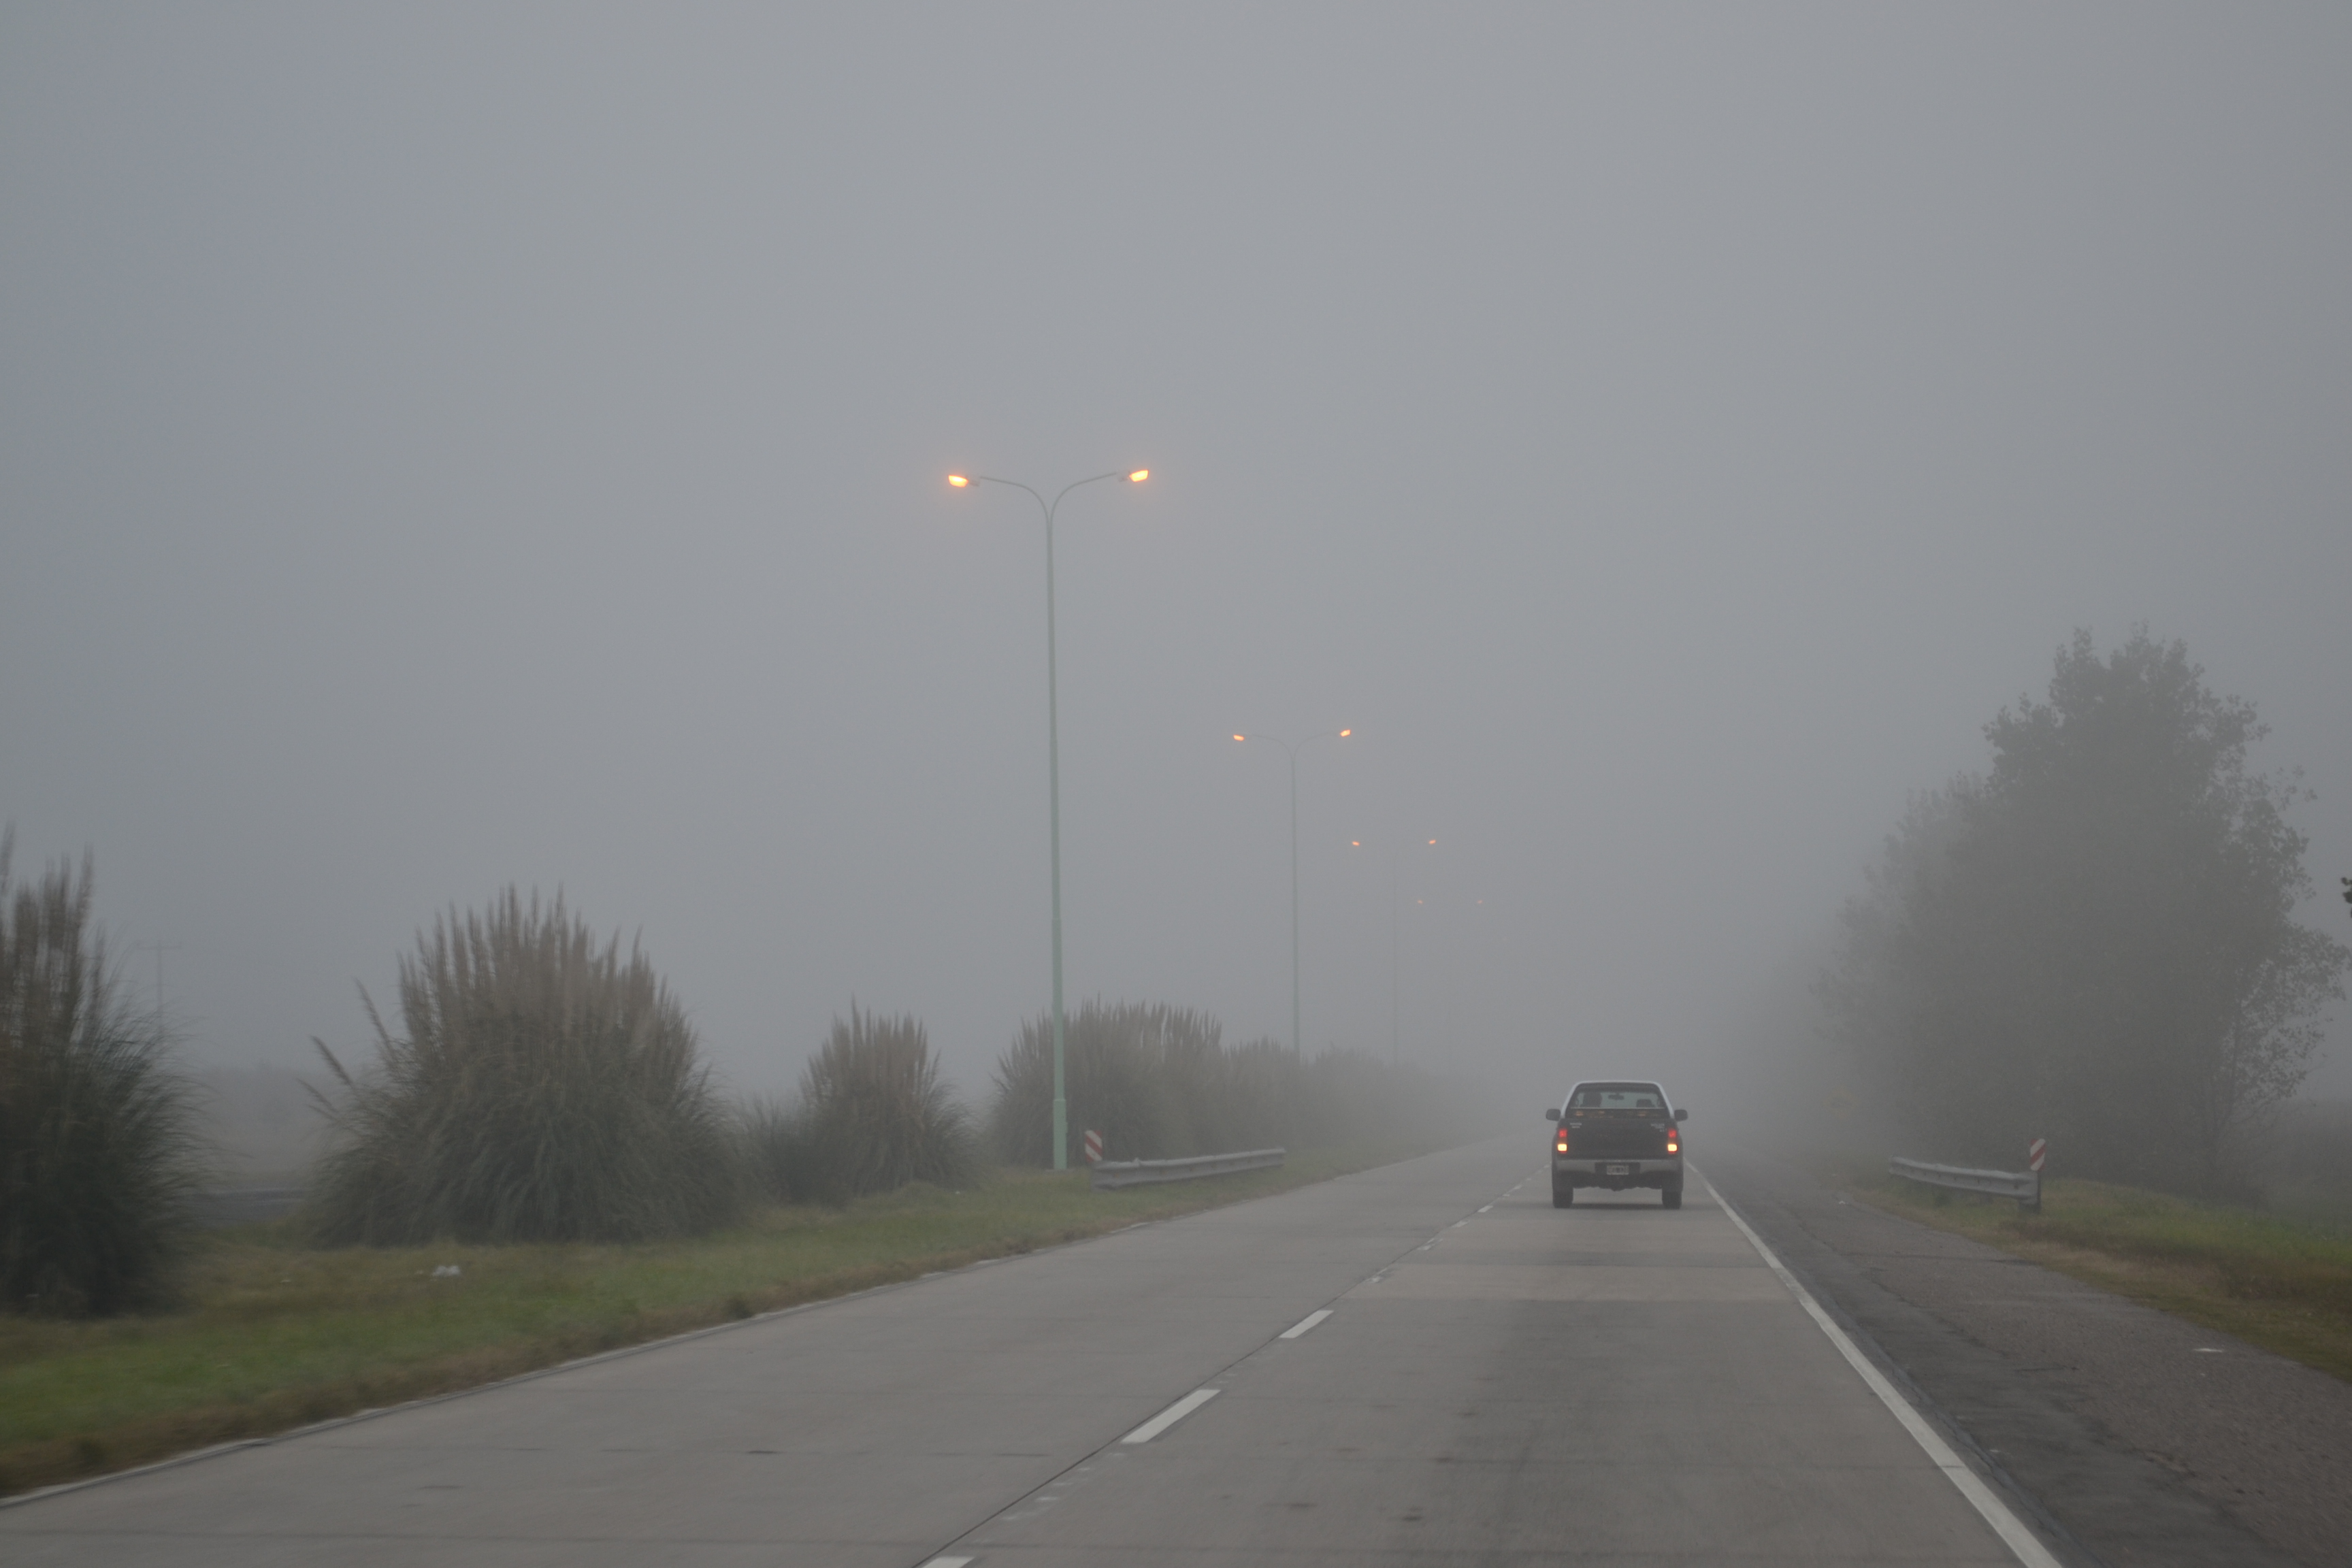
point(780, 1150)
point(1111, 1078)
point(873, 1115)
point(545, 1089)
point(98, 1146)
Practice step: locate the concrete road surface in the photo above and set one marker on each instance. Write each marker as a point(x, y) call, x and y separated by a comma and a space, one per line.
point(1495, 1381)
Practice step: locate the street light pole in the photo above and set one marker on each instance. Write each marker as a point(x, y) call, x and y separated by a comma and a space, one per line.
point(1396, 964)
point(1396, 947)
point(1293, 752)
point(1053, 769)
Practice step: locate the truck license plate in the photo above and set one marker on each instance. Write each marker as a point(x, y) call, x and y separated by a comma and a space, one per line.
point(1620, 1169)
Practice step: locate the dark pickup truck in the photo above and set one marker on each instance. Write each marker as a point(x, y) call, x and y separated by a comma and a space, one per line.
point(1616, 1133)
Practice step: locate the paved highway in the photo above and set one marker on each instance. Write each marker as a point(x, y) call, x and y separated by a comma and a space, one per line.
point(1420, 1363)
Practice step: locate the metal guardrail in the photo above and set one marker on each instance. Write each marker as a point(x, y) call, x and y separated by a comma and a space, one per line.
point(2025, 1186)
point(1113, 1173)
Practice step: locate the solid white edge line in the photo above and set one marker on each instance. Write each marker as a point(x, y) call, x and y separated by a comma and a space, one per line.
point(2022, 1541)
point(1305, 1324)
point(1169, 1417)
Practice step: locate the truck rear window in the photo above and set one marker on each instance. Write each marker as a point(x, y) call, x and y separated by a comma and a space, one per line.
point(1635, 1097)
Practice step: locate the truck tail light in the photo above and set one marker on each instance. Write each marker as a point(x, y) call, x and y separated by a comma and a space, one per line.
point(1559, 1142)
point(1674, 1140)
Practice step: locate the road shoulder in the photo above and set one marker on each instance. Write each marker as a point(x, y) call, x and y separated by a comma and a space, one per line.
point(2147, 1439)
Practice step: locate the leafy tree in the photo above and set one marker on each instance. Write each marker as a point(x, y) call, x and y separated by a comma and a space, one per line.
point(2096, 939)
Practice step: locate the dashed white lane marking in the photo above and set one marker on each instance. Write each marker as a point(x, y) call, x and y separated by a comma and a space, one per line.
point(1169, 1417)
point(1458, 1224)
point(1491, 1206)
point(2020, 1542)
point(1305, 1324)
point(946, 1562)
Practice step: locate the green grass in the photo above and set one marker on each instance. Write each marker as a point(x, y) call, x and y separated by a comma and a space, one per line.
point(2283, 1283)
point(273, 1334)
point(2325, 1206)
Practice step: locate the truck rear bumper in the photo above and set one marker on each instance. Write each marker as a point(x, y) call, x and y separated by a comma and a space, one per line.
point(1664, 1172)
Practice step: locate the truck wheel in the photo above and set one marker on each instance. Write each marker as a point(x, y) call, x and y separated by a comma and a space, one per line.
point(1563, 1198)
point(1674, 1196)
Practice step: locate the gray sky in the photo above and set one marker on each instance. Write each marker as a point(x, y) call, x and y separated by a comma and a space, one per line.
point(443, 447)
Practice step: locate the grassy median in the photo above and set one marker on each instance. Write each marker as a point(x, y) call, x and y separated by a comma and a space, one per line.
point(273, 1334)
point(2282, 1284)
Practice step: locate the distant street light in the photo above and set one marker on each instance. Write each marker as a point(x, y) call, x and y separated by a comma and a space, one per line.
point(1293, 751)
point(1054, 768)
point(1396, 943)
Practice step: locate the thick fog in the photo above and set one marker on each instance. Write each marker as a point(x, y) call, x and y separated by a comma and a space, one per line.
point(448, 447)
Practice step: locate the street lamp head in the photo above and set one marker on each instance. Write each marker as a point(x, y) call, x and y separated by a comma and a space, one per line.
point(1138, 477)
point(959, 481)
point(1345, 734)
point(1241, 737)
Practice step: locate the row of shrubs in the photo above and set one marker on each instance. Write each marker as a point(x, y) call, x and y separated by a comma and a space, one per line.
point(1160, 1082)
point(1157, 1082)
point(545, 1086)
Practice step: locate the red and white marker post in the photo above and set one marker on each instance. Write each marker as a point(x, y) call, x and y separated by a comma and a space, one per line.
point(1094, 1147)
point(2035, 1152)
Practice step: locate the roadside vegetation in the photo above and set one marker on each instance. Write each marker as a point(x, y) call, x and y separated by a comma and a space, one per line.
point(2303, 1163)
point(536, 1165)
point(545, 1090)
point(2096, 941)
point(2280, 1283)
point(98, 1156)
point(273, 1334)
point(872, 1114)
point(1159, 1082)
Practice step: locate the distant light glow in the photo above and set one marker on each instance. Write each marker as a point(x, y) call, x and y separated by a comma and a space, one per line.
point(1345, 734)
point(1241, 737)
point(1432, 841)
point(1355, 844)
point(1138, 477)
point(958, 480)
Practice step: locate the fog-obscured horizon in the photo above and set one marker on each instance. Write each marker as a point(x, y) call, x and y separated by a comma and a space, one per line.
point(443, 449)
